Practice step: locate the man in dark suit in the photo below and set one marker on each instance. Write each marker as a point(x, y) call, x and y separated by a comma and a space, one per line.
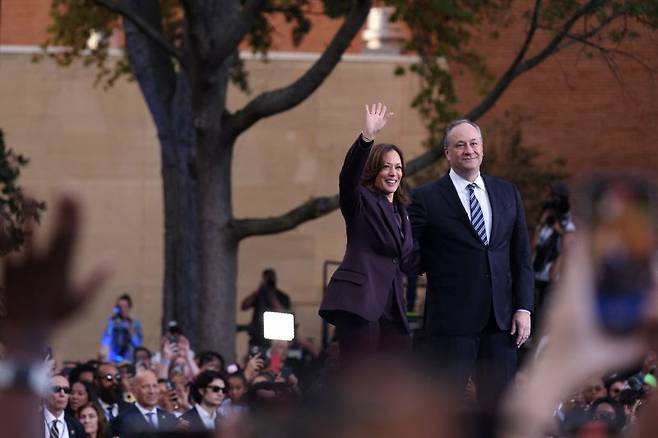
point(208, 391)
point(473, 240)
point(143, 415)
point(110, 395)
point(58, 424)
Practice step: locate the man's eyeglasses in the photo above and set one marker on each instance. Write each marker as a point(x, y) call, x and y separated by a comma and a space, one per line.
point(215, 388)
point(57, 389)
point(110, 377)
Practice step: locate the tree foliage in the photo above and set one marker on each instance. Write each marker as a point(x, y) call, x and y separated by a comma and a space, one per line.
point(17, 210)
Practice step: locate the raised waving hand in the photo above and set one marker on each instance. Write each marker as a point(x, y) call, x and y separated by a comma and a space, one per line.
point(376, 118)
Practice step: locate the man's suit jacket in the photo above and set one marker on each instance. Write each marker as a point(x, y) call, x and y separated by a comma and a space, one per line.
point(376, 254)
point(465, 277)
point(131, 422)
point(121, 405)
point(196, 423)
point(75, 428)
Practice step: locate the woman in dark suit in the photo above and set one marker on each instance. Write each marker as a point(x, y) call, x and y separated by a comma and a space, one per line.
point(364, 298)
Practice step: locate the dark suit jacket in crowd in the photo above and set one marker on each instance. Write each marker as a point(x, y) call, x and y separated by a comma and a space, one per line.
point(76, 429)
point(376, 255)
point(465, 278)
point(196, 423)
point(131, 422)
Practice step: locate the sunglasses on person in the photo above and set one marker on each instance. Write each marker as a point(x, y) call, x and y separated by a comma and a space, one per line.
point(57, 389)
point(215, 388)
point(110, 377)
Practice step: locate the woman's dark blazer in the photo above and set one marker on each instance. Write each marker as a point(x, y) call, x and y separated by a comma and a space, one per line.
point(376, 254)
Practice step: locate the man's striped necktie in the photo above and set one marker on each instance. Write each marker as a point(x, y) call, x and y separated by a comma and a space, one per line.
point(477, 218)
point(54, 430)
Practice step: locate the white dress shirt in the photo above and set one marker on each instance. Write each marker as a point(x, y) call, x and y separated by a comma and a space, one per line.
point(208, 419)
point(61, 424)
point(144, 411)
point(481, 195)
point(109, 408)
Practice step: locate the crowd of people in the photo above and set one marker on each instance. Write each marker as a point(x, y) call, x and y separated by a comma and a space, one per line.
point(129, 389)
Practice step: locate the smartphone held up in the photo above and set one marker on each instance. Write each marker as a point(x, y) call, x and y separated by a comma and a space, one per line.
point(620, 214)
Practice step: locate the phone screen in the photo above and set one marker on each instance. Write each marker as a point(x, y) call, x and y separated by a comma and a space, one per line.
point(623, 245)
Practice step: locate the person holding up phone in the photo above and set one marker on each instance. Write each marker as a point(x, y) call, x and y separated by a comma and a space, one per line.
point(364, 298)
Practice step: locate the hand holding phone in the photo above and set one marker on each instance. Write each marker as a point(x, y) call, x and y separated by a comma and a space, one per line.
point(620, 213)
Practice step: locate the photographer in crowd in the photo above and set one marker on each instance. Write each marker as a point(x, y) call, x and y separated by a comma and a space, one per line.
point(122, 334)
point(266, 298)
point(553, 229)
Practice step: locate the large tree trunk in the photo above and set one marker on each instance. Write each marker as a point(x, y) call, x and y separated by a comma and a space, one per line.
point(219, 250)
point(219, 246)
point(182, 282)
point(168, 97)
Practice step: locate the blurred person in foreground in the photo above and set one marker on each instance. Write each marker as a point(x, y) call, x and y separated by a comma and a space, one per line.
point(578, 349)
point(39, 296)
point(475, 251)
point(365, 297)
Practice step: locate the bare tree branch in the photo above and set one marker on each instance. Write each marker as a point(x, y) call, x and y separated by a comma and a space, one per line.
point(580, 39)
point(585, 36)
point(530, 63)
point(144, 26)
point(312, 209)
point(276, 101)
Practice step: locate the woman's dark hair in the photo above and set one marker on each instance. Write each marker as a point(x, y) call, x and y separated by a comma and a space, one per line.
point(92, 390)
point(74, 374)
point(202, 380)
point(208, 356)
point(238, 375)
point(126, 298)
point(374, 165)
point(103, 425)
point(619, 421)
point(144, 349)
